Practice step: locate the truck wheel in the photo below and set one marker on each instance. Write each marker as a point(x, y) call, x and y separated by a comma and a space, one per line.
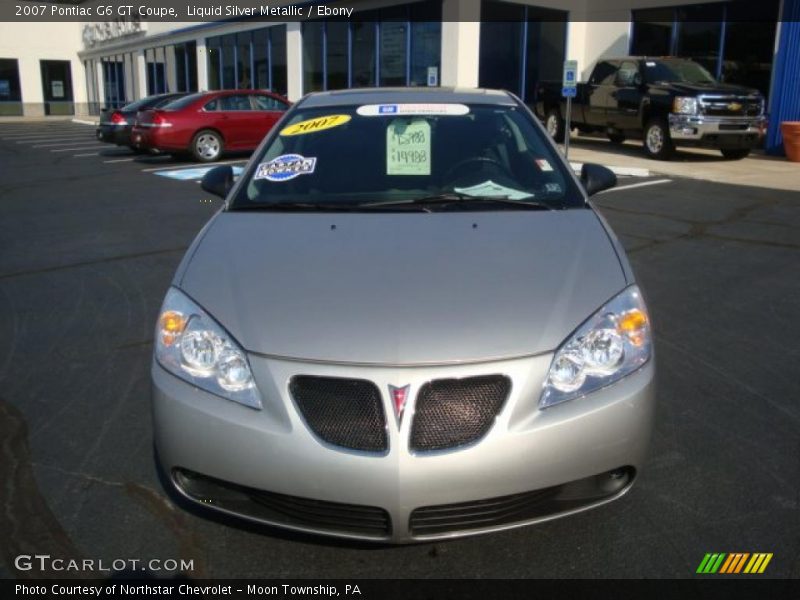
point(657, 143)
point(616, 138)
point(206, 146)
point(735, 153)
point(554, 125)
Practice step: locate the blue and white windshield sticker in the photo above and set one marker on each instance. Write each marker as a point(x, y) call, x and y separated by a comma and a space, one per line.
point(286, 167)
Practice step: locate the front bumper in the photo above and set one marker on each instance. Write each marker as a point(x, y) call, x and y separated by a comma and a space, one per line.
point(717, 131)
point(527, 451)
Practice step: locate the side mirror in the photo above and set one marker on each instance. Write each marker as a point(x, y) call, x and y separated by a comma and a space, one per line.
point(218, 181)
point(596, 178)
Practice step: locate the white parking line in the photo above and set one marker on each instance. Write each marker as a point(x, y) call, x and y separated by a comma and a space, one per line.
point(57, 139)
point(24, 136)
point(195, 166)
point(69, 143)
point(119, 160)
point(78, 148)
point(636, 185)
point(90, 154)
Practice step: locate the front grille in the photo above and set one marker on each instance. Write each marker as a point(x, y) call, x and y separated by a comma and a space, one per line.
point(280, 509)
point(730, 107)
point(342, 412)
point(455, 412)
point(522, 507)
point(464, 516)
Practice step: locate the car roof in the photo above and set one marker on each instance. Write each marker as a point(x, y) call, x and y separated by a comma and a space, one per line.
point(412, 95)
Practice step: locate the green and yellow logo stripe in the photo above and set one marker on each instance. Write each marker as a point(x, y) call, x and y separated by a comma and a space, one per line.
point(734, 563)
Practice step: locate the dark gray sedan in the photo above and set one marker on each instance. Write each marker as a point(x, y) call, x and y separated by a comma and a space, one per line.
point(406, 323)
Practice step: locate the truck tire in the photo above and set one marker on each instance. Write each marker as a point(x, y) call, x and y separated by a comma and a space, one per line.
point(616, 138)
point(207, 146)
point(657, 142)
point(554, 125)
point(735, 153)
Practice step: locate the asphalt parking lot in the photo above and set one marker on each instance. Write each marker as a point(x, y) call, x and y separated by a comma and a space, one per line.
point(90, 236)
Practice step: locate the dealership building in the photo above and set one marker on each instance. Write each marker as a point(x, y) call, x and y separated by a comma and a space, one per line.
point(49, 68)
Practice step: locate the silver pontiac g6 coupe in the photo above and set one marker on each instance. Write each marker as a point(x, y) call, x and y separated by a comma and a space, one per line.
point(406, 323)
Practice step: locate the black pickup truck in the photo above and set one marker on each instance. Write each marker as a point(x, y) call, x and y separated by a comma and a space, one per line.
point(666, 102)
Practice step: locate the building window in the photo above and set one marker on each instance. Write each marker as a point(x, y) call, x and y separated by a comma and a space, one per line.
point(57, 87)
point(248, 60)
point(10, 92)
point(113, 81)
point(652, 32)
point(392, 46)
point(521, 46)
point(733, 40)
point(363, 52)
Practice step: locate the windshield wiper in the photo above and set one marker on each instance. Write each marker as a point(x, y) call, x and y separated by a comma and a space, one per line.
point(458, 198)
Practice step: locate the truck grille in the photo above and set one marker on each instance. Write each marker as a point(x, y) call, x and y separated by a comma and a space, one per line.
point(730, 106)
point(342, 412)
point(455, 412)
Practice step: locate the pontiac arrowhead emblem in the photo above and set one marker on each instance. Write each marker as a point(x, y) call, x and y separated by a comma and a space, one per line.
point(399, 397)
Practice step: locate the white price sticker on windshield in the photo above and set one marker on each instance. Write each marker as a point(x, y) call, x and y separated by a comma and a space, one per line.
point(408, 147)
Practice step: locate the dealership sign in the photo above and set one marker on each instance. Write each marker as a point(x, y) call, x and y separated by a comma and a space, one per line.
point(111, 30)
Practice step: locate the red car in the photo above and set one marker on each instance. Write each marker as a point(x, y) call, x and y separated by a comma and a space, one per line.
point(207, 124)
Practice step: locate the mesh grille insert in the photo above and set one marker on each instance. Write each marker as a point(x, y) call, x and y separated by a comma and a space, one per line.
point(342, 412)
point(455, 412)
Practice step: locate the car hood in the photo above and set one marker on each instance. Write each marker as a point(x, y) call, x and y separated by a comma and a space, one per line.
point(403, 288)
point(715, 89)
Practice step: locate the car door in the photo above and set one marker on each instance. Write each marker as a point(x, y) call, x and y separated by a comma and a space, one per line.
point(625, 98)
point(599, 89)
point(235, 118)
point(267, 110)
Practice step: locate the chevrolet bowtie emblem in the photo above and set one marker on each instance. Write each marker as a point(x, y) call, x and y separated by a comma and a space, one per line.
point(734, 107)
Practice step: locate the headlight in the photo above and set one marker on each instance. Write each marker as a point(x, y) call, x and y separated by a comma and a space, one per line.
point(683, 105)
point(612, 343)
point(191, 345)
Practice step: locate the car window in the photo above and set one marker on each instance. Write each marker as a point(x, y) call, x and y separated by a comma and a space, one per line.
point(604, 73)
point(184, 101)
point(235, 102)
point(211, 106)
point(358, 155)
point(264, 102)
point(626, 76)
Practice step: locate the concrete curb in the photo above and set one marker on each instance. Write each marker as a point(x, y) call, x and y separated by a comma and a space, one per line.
point(84, 122)
point(623, 171)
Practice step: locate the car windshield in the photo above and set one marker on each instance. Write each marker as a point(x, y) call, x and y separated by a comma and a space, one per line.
point(680, 71)
point(380, 155)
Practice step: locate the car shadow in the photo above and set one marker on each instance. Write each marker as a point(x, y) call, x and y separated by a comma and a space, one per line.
point(633, 149)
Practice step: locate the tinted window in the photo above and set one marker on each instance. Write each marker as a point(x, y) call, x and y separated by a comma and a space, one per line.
point(604, 73)
point(353, 158)
point(183, 102)
point(626, 75)
point(236, 102)
point(268, 103)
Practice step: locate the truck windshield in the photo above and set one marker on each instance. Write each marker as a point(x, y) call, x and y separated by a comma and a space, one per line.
point(681, 71)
